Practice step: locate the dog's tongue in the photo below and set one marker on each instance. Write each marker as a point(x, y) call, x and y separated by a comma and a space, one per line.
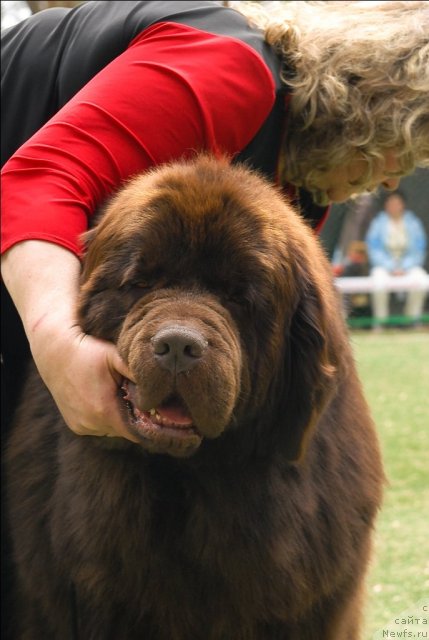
point(171, 412)
point(176, 413)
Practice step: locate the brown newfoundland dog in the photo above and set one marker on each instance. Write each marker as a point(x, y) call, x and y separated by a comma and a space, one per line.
point(245, 512)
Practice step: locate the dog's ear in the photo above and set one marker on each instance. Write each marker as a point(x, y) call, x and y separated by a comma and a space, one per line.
point(312, 356)
point(90, 258)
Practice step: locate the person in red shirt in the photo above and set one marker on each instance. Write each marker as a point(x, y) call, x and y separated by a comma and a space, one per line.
point(326, 99)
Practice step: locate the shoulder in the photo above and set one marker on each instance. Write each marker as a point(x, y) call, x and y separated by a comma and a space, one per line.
point(124, 21)
point(96, 32)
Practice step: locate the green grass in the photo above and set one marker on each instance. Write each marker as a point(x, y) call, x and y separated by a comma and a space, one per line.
point(394, 368)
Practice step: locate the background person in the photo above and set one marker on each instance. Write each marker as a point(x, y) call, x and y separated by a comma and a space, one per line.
point(353, 265)
point(396, 241)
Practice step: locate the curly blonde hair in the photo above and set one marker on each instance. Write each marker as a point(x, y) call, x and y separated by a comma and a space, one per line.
point(359, 73)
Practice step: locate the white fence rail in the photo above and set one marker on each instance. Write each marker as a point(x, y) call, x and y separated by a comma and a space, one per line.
point(366, 284)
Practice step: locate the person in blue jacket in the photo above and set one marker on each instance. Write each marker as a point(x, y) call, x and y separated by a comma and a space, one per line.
point(396, 242)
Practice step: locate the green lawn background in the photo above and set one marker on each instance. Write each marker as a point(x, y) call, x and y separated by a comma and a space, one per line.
point(394, 368)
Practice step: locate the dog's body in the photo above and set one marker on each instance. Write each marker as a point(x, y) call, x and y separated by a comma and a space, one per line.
point(246, 511)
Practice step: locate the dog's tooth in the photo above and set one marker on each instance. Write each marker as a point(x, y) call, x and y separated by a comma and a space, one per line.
point(152, 412)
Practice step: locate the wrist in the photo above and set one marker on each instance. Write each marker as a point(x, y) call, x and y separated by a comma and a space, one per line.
point(51, 336)
point(42, 279)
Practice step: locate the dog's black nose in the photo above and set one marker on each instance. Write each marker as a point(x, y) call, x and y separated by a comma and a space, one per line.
point(178, 348)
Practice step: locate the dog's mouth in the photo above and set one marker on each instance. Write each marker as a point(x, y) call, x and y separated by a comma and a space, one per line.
point(168, 424)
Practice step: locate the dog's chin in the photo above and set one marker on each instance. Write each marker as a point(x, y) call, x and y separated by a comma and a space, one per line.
point(165, 429)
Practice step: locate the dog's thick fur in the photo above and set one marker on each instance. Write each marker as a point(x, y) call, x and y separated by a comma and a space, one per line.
point(247, 514)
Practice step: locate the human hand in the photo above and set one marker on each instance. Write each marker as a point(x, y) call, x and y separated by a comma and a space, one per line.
point(398, 272)
point(84, 376)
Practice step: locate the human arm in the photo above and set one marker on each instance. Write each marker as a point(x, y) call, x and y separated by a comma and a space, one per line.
point(155, 103)
point(82, 373)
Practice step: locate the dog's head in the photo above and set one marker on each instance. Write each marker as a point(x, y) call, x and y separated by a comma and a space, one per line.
point(219, 299)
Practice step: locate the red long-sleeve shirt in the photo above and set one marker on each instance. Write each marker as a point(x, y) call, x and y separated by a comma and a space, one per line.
point(129, 87)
